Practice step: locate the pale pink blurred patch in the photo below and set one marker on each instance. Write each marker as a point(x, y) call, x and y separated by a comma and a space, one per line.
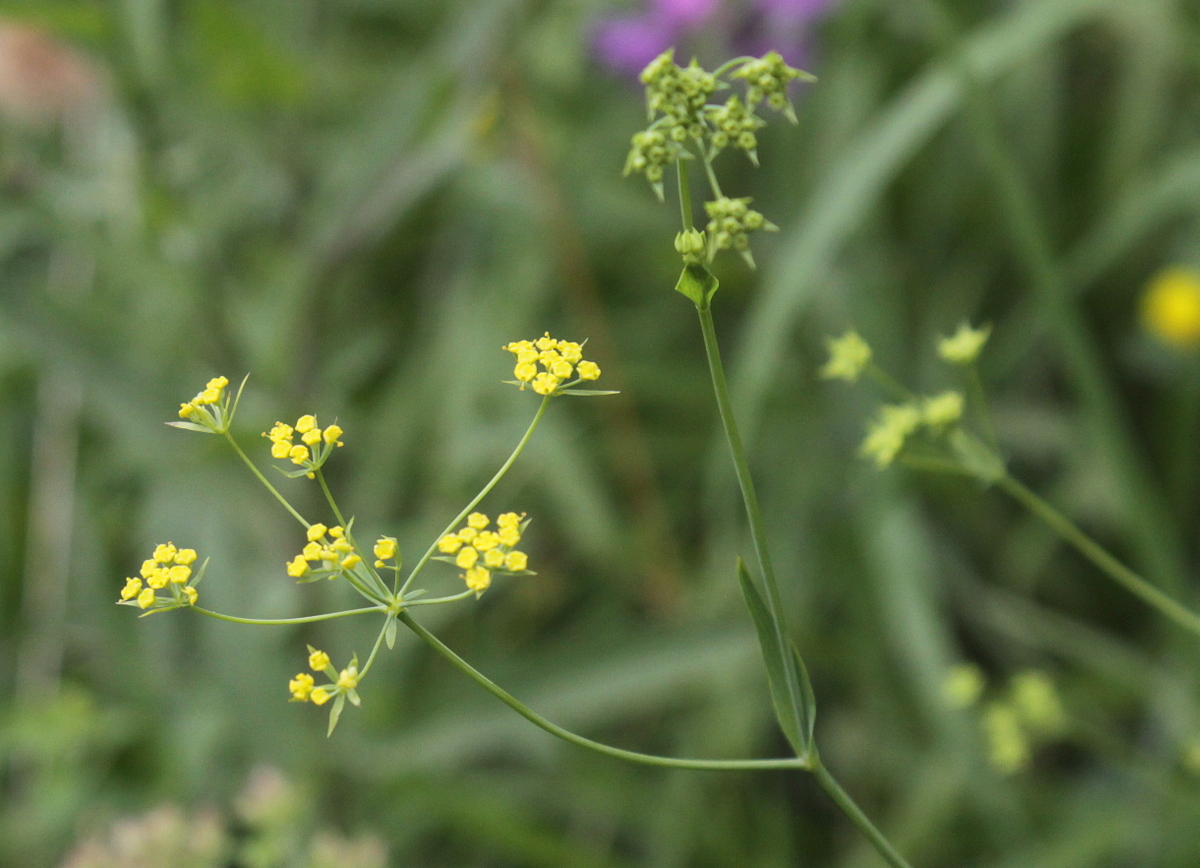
point(42, 79)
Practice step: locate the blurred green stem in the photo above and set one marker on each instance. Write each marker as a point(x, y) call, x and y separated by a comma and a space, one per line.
point(537, 418)
point(566, 735)
point(685, 196)
point(271, 488)
point(337, 513)
point(308, 619)
point(851, 810)
point(1095, 553)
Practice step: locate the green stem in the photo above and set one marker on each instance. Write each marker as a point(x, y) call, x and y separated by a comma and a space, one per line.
point(685, 196)
point(453, 598)
point(851, 810)
point(375, 651)
point(308, 619)
point(566, 735)
point(482, 494)
point(979, 398)
point(708, 170)
point(263, 480)
point(337, 513)
point(1095, 553)
point(887, 382)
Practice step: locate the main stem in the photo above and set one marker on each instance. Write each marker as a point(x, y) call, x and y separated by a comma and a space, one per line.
point(1094, 552)
point(566, 735)
point(857, 817)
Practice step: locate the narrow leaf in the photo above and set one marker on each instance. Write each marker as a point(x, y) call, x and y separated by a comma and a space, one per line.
point(336, 712)
point(698, 284)
point(389, 633)
point(791, 692)
point(192, 426)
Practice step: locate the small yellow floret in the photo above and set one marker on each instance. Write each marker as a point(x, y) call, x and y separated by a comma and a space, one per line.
point(963, 347)
point(217, 383)
point(886, 437)
point(164, 553)
point(351, 561)
point(588, 371)
point(486, 540)
point(1171, 307)
point(449, 544)
point(467, 534)
point(848, 355)
point(158, 579)
point(478, 579)
point(545, 383)
point(179, 574)
point(561, 369)
point(348, 678)
point(316, 531)
point(187, 411)
point(146, 598)
point(148, 568)
point(478, 520)
point(301, 686)
point(1008, 747)
point(281, 431)
point(306, 423)
point(385, 548)
point(281, 448)
point(131, 589)
point(297, 566)
point(570, 351)
point(342, 546)
point(311, 438)
point(318, 661)
point(508, 519)
point(331, 435)
point(208, 396)
point(192, 595)
point(337, 531)
point(963, 685)
point(545, 342)
point(298, 454)
point(185, 556)
point(509, 536)
point(944, 409)
point(525, 371)
point(516, 562)
point(319, 696)
point(1037, 704)
point(493, 559)
point(312, 551)
point(466, 558)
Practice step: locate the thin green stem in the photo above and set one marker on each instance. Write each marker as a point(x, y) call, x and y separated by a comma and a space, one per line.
point(271, 488)
point(566, 735)
point(685, 196)
point(851, 810)
point(1095, 553)
point(453, 598)
point(337, 513)
point(887, 382)
point(375, 650)
point(979, 399)
point(730, 64)
point(708, 170)
point(482, 494)
point(281, 622)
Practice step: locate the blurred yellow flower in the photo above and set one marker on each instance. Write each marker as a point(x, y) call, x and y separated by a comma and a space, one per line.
point(1171, 307)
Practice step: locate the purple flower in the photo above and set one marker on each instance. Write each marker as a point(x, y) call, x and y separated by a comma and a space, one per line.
point(627, 43)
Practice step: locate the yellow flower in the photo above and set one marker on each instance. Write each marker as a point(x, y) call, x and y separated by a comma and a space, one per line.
point(306, 423)
point(385, 548)
point(963, 685)
point(318, 661)
point(312, 551)
point(449, 544)
point(570, 351)
point(331, 435)
point(477, 520)
point(886, 438)
point(1036, 702)
point(1171, 307)
point(941, 410)
point(561, 369)
point(185, 556)
point(466, 558)
point(316, 531)
point(281, 448)
point(298, 454)
point(148, 568)
point(509, 536)
point(478, 579)
point(1008, 747)
point(301, 686)
point(131, 589)
point(348, 678)
point(545, 342)
point(508, 519)
point(848, 355)
point(351, 561)
point(312, 437)
point(158, 579)
point(281, 431)
point(588, 370)
point(525, 371)
point(146, 598)
point(217, 383)
point(545, 383)
point(337, 531)
point(486, 540)
point(297, 566)
point(518, 347)
point(342, 546)
point(208, 396)
point(962, 348)
point(187, 411)
point(179, 574)
point(192, 594)
point(164, 553)
point(515, 562)
point(493, 559)
point(467, 534)
point(319, 696)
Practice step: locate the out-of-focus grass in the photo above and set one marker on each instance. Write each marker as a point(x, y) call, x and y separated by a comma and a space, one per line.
point(359, 202)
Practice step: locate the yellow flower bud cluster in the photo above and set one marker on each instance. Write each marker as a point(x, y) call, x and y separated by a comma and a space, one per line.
point(680, 93)
point(209, 409)
point(897, 422)
point(480, 551)
point(730, 222)
point(314, 446)
point(649, 151)
point(963, 347)
point(328, 550)
point(734, 124)
point(849, 355)
point(768, 78)
point(341, 684)
point(170, 570)
point(558, 361)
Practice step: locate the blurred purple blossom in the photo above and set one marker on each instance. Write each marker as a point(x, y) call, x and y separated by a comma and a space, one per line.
point(626, 43)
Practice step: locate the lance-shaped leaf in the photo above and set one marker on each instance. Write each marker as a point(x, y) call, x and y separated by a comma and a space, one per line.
point(791, 691)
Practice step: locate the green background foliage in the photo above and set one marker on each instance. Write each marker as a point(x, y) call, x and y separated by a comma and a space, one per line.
point(359, 202)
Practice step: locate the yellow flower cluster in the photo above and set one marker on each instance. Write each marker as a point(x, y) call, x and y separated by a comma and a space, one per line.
point(849, 355)
point(962, 347)
point(304, 688)
point(314, 446)
point(480, 551)
point(1171, 307)
point(328, 547)
point(559, 360)
point(171, 569)
point(209, 411)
